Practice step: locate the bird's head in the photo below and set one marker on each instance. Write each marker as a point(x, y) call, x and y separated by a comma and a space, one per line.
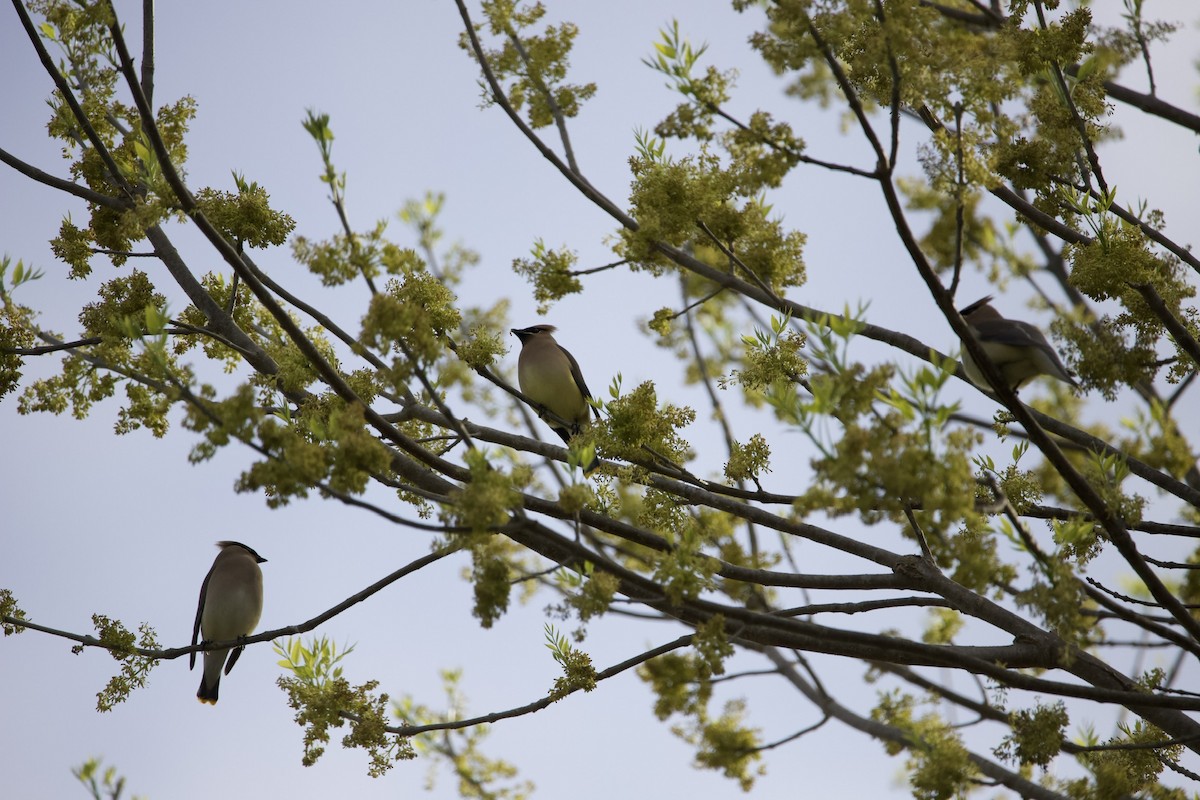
point(533, 330)
point(249, 550)
point(980, 310)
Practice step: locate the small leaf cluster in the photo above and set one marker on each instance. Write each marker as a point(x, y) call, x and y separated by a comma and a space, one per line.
point(1155, 438)
point(9, 608)
point(1078, 539)
point(939, 764)
point(78, 386)
point(414, 315)
point(21, 274)
point(1037, 735)
point(578, 672)
point(638, 427)
point(16, 324)
point(1059, 105)
point(761, 151)
point(1059, 598)
point(479, 777)
point(323, 699)
point(296, 371)
point(1020, 487)
point(884, 460)
point(135, 669)
point(772, 358)
point(549, 271)
point(685, 571)
point(481, 348)
point(110, 784)
point(974, 553)
point(246, 217)
point(122, 301)
point(675, 57)
point(534, 65)
point(128, 312)
point(233, 419)
point(491, 579)
point(670, 198)
point(486, 500)
point(594, 595)
point(943, 625)
point(748, 461)
point(1131, 772)
point(1107, 475)
point(1122, 349)
point(343, 258)
point(726, 744)
point(984, 241)
point(682, 684)
point(712, 644)
point(325, 442)
point(81, 32)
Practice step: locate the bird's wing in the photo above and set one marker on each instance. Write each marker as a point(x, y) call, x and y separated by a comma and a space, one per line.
point(233, 657)
point(199, 614)
point(577, 376)
point(1011, 332)
point(1022, 334)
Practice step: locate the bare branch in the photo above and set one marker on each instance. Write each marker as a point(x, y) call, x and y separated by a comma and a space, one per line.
point(82, 192)
point(537, 705)
point(265, 636)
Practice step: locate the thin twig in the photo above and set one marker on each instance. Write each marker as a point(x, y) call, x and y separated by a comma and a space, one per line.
point(82, 192)
point(537, 705)
point(266, 636)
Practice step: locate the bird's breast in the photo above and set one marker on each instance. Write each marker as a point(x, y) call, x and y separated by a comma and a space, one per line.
point(548, 382)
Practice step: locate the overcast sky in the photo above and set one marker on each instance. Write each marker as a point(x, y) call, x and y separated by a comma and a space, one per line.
point(95, 523)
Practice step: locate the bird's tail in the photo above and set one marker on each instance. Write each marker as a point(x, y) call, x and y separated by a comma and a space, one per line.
point(208, 694)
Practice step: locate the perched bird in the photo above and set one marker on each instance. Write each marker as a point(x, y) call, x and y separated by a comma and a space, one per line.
point(1018, 349)
point(231, 599)
point(550, 377)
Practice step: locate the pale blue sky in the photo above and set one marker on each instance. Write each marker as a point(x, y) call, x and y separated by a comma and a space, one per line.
point(124, 526)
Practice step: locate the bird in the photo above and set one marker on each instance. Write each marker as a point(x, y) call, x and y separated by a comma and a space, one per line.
point(550, 377)
point(1018, 349)
point(231, 599)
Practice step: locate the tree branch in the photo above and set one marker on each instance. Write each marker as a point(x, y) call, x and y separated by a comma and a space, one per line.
point(265, 636)
point(82, 192)
point(537, 705)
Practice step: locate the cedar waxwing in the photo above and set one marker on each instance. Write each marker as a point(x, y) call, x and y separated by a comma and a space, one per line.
point(1018, 349)
point(231, 599)
point(550, 377)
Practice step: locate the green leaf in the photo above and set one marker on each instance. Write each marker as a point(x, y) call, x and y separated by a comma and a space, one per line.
point(156, 320)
